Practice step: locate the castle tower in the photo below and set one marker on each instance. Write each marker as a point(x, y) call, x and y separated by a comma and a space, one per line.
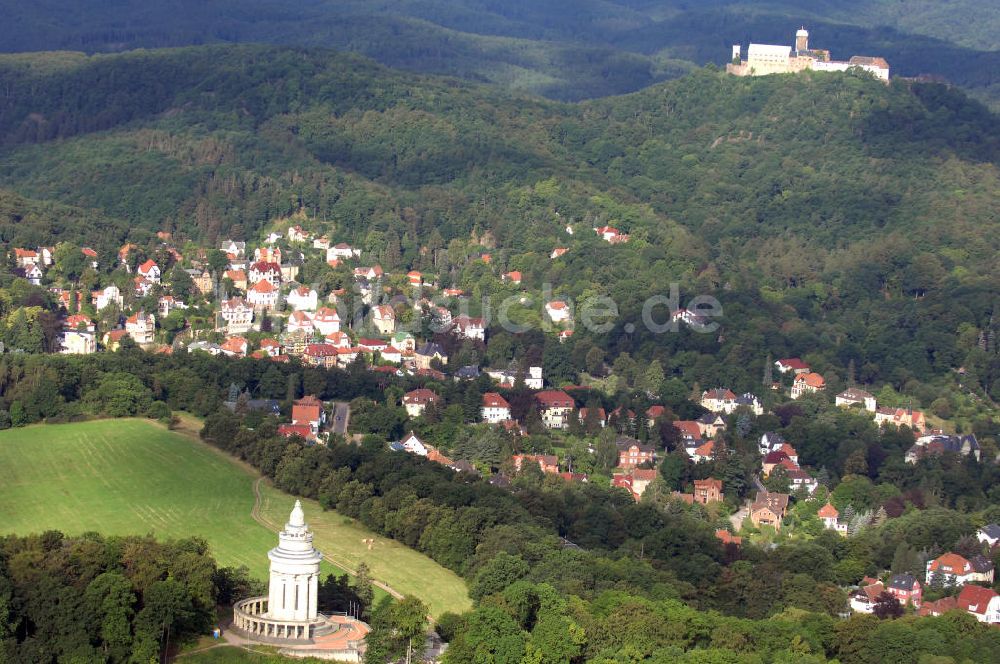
point(802, 40)
point(294, 572)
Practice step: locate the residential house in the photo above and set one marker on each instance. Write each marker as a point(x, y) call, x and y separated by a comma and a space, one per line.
point(702, 453)
point(25, 257)
point(265, 271)
point(300, 430)
point(31, 272)
point(558, 252)
point(391, 354)
point(263, 295)
point(337, 339)
point(710, 424)
point(372, 345)
point(79, 336)
point(901, 417)
point(141, 327)
point(404, 341)
point(166, 304)
point(611, 235)
point(233, 248)
point(270, 347)
point(238, 277)
point(983, 603)
point(297, 234)
point(415, 278)
point(718, 400)
point(513, 277)
point(750, 402)
point(149, 271)
point(321, 355)
point(427, 353)
point(938, 608)
point(300, 321)
point(952, 569)
point(558, 311)
point(267, 254)
point(707, 491)
point(369, 273)
point(989, 534)
point(416, 401)
point(555, 407)
point(772, 460)
point(202, 346)
point(689, 431)
point(830, 517)
point(234, 347)
point(113, 339)
point(807, 383)
point(654, 413)
point(938, 444)
point(469, 328)
point(548, 463)
point(602, 417)
point(91, 256)
point(863, 599)
point(326, 321)
point(768, 509)
point(384, 319)
point(495, 408)
point(302, 298)
point(341, 251)
point(793, 364)
point(237, 315)
point(309, 411)
point(800, 479)
point(632, 453)
point(906, 588)
point(770, 441)
point(855, 396)
point(203, 282)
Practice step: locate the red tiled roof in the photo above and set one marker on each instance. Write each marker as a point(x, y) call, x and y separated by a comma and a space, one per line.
point(494, 400)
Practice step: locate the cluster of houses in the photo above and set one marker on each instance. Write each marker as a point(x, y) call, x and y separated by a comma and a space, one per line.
point(949, 570)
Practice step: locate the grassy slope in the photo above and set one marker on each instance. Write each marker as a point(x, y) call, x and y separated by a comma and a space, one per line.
point(134, 477)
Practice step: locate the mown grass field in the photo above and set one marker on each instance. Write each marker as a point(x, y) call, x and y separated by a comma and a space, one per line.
point(135, 477)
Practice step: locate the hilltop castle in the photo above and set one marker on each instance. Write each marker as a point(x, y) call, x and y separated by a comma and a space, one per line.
point(763, 59)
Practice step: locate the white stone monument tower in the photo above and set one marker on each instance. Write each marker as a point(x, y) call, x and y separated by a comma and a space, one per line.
point(294, 571)
point(289, 612)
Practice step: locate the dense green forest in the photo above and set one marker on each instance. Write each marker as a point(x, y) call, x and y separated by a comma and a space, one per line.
point(564, 49)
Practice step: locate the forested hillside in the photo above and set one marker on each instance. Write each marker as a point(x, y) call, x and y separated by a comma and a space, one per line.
point(822, 206)
point(564, 49)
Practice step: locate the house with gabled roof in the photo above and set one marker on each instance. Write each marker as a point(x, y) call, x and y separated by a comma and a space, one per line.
point(149, 271)
point(427, 353)
point(234, 347)
point(989, 534)
point(830, 518)
point(938, 444)
point(793, 364)
point(469, 328)
point(416, 401)
point(321, 355)
point(555, 407)
point(906, 588)
point(632, 453)
point(308, 411)
point(768, 509)
point(982, 603)
point(237, 315)
point(558, 311)
point(901, 417)
point(326, 321)
point(494, 408)
point(863, 599)
point(855, 396)
point(807, 383)
point(718, 400)
point(141, 327)
point(952, 569)
point(703, 453)
point(384, 319)
point(548, 463)
point(300, 321)
point(708, 491)
point(302, 298)
point(263, 295)
point(514, 277)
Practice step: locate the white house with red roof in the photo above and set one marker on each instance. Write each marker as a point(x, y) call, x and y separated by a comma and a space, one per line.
point(611, 235)
point(308, 411)
point(558, 311)
point(25, 257)
point(495, 408)
point(955, 570)
point(326, 321)
point(337, 339)
point(300, 321)
point(514, 277)
point(110, 295)
point(263, 295)
point(302, 298)
point(149, 271)
point(983, 603)
point(270, 347)
point(807, 383)
point(558, 251)
point(792, 364)
point(141, 327)
point(235, 346)
point(469, 328)
point(718, 400)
